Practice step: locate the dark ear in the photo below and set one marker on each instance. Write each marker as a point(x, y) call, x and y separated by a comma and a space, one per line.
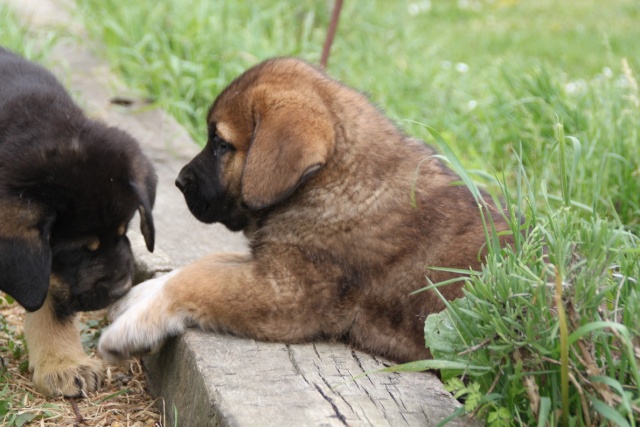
point(25, 258)
point(145, 187)
point(291, 143)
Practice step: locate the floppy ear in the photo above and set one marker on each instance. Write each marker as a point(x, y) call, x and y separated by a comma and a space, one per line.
point(145, 188)
point(290, 144)
point(25, 259)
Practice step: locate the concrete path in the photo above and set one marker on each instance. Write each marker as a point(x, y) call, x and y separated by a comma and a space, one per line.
point(206, 379)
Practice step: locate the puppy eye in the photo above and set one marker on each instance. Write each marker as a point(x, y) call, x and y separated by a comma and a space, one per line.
point(221, 146)
point(224, 147)
point(121, 230)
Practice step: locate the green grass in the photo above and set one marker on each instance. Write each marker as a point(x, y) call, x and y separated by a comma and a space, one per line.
point(540, 102)
point(33, 44)
point(549, 330)
point(377, 41)
point(490, 79)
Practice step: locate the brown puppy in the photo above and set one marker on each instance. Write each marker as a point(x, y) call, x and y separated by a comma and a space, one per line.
point(343, 212)
point(69, 186)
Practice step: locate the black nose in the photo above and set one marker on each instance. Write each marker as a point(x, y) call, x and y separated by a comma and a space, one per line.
point(185, 178)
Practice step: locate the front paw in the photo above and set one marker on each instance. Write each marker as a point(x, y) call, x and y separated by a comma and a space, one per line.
point(68, 376)
point(142, 320)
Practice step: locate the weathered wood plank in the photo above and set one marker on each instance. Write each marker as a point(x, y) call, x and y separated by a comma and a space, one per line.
point(229, 381)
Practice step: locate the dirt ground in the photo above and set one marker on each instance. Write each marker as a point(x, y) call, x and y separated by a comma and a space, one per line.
point(122, 401)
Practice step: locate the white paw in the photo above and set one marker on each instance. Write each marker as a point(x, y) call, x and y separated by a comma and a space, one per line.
point(141, 321)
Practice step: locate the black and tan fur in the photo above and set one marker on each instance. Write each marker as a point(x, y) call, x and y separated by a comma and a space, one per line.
point(69, 186)
point(344, 214)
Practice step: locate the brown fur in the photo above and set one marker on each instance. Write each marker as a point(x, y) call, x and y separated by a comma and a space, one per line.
point(344, 215)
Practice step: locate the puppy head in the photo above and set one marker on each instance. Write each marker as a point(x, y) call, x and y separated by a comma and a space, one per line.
point(68, 197)
point(270, 131)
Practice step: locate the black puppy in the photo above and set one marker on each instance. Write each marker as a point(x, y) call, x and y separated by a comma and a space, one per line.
point(69, 186)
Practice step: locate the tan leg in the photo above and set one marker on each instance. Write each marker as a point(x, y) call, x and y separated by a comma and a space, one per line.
point(224, 292)
point(59, 364)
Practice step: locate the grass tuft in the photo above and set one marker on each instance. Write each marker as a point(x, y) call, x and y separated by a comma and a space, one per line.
point(554, 320)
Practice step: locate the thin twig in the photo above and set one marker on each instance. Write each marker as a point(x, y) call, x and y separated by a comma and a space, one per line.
point(79, 419)
point(333, 25)
point(475, 347)
point(550, 360)
point(585, 407)
point(493, 385)
point(530, 385)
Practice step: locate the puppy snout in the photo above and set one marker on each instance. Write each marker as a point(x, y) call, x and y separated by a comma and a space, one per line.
point(185, 178)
